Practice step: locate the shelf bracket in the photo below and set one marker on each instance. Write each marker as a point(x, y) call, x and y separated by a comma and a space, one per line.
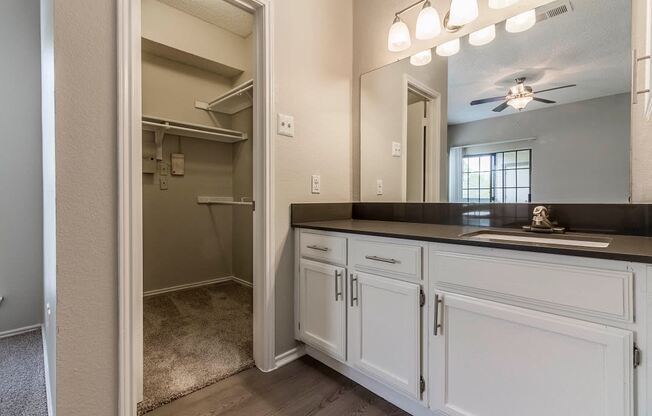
point(159, 135)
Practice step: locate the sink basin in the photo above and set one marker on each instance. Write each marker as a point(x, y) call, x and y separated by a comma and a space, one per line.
point(547, 239)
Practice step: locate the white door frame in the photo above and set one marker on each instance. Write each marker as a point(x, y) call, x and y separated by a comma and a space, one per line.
point(433, 140)
point(130, 238)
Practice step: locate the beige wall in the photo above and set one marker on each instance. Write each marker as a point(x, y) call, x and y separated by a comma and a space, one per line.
point(86, 207)
point(243, 188)
point(313, 83)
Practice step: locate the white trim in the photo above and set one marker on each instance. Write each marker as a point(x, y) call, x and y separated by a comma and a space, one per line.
point(19, 331)
point(242, 281)
point(130, 242)
point(468, 146)
point(290, 355)
point(208, 282)
point(46, 372)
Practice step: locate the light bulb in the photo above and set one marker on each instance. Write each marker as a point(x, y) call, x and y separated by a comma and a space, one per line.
point(399, 36)
point(449, 48)
point(519, 103)
point(428, 22)
point(421, 58)
point(521, 22)
point(483, 36)
point(463, 12)
point(501, 4)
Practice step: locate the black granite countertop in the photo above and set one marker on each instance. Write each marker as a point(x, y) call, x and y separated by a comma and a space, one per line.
point(623, 247)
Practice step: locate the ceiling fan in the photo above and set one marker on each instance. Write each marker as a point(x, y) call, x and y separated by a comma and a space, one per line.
point(519, 96)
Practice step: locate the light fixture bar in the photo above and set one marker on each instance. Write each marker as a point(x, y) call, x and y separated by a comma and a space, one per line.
point(410, 7)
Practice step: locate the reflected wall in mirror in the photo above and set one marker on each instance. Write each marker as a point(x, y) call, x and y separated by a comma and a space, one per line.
point(537, 116)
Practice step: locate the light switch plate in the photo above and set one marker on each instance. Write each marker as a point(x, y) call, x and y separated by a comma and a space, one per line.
point(315, 181)
point(379, 187)
point(285, 125)
point(396, 149)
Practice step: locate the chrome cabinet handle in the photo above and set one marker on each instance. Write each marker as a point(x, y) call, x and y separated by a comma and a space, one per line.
point(319, 248)
point(437, 327)
point(635, 60)
point(338, 292)
point(382, 259)
point(354, 281)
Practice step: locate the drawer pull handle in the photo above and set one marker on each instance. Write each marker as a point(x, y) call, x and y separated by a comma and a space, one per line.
point(338, 292)
point(354, 281)
point(319, 248)
point(437, 325)
point(382, 259)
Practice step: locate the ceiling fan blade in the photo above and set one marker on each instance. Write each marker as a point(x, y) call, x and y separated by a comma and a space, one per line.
point(543, 100)
point(487, 100)
point(501, 107)
point(556, 88)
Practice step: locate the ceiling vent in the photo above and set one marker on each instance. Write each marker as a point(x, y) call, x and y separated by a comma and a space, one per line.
point(554, 9)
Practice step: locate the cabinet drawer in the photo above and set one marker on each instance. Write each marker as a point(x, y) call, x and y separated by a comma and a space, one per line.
point(571, 290)
point(323, 247)
point(398, 259)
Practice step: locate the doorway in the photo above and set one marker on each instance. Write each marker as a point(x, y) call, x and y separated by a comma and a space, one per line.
point(167, 148)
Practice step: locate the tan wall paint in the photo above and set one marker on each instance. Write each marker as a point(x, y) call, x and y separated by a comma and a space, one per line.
point(243, 188)
point(312, 67)
point(86, 208)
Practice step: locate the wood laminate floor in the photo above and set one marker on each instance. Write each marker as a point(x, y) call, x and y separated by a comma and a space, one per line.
point(303, 387)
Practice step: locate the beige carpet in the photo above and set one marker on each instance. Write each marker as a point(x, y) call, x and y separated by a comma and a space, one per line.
point(194, 338)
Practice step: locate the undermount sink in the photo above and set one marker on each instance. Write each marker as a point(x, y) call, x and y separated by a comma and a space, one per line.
point(547, 239)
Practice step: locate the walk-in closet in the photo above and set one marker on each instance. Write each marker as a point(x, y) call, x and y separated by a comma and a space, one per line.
point(197, 103)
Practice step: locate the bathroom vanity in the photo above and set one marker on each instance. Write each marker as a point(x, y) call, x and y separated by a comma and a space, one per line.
point(439, 322)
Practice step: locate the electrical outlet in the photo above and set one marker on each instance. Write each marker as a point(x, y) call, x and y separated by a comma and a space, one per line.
point(315, 181)
point(379, 187)
point(285, 125)
point(163, 169)
point(163, 182)
point(396, 149)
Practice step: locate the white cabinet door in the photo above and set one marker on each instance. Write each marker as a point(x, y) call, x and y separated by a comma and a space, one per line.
point(322, 318)
point(490, 359)
point(384, 322)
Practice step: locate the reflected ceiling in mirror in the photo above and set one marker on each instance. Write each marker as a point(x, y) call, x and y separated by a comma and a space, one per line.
point(537, 116)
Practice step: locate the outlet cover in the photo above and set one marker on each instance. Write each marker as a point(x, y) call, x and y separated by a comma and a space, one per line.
point(315, 181)
point(163, 182)
point(379, 187)
point(396, 149)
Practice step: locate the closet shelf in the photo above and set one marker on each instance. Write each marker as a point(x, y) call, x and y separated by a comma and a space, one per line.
point(232, 101)
point(221, 200)
point(162, 126)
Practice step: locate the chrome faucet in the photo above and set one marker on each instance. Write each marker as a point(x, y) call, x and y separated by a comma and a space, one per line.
point(541, 222)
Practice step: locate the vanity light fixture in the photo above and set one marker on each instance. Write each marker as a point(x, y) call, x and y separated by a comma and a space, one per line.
point(501, 4)
point(521, 22)
point(463, 12)
point(483, 36)
point(428, 22)
point(399, 36)
point(421, 58)
point(449, 48)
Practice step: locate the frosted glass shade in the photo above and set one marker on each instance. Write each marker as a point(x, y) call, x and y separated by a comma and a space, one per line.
point(399, 37)
point(463, 12)
point(428, 23)
point(521, 22)
point(501, 4)
point(483, 36)
point(520, 102)
point(421, 58)
point(449, 48)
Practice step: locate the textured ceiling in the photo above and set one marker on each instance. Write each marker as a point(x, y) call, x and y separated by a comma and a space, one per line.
point(589, 47)
point(217, 12)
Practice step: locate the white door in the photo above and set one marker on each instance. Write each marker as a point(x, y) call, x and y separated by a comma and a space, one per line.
point(384, 338)
point(490, 359)
point(322, 319)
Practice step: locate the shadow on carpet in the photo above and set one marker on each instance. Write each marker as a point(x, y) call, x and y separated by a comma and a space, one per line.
point(194, 338)
point(22, 375)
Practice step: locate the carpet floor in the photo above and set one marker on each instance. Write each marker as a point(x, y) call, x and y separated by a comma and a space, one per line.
point(22, 376)
point(194, 338)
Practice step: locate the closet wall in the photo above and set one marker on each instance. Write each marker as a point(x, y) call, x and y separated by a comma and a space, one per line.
point(185, 242)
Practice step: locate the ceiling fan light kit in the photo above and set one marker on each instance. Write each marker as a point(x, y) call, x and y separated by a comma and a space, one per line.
point(519, 96)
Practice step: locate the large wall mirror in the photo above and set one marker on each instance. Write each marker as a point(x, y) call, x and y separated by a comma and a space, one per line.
point(537, 116)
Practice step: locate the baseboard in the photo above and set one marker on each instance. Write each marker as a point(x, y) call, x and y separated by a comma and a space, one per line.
point(197, 284)
point(242, 281)
point(46, 368)
point(288, 356)
point(18, 331)
point(410, 405)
